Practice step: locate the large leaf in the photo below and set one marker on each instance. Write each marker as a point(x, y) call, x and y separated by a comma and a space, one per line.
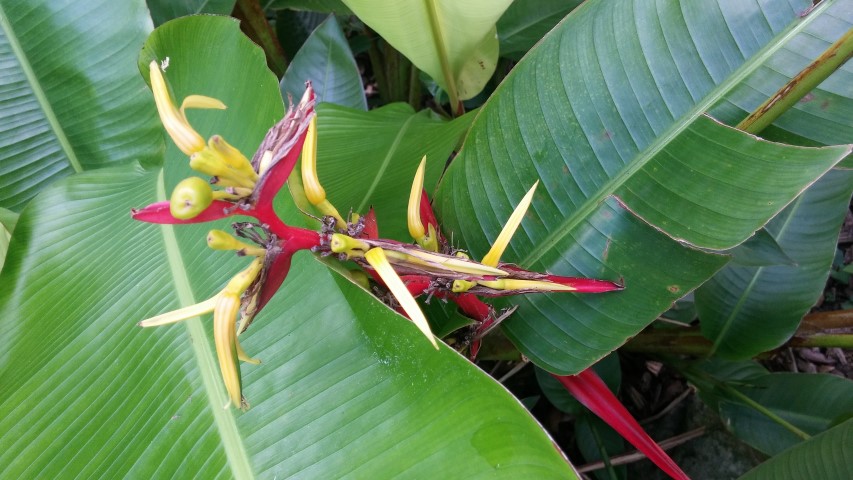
point(811, 403)
point(740, 390)
point(737, 305)
point(326, 60)
point(369, 159)
point(826, 456)
point(453, 42)
point(346, 387)
point(823, 116)
point(527, 21)
point(70, 96)
point(748, 310)
point(164, 10)
point(633, 175)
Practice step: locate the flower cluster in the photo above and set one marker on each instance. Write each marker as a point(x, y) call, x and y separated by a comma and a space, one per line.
point(238, 186)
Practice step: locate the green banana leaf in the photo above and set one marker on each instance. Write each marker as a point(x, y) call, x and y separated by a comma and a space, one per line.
point(822, 117)
point(326, 59)
point(748, 310)
point(347, 386)
point(455, 43)
point(739, 390)
point(743, 310)
point(164, 10)
point(527, 21)
point(812, 403)
point(826, 456)
point(72, 99)
point(759, 250)
point(637, 184)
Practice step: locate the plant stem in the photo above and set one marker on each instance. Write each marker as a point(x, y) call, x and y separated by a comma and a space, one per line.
point(805, 81)
point(377, 64)
point(414, 88)
point(828, 341)
point(255, 25)
point(397, 68)
point(689, 341)
point(822, 321)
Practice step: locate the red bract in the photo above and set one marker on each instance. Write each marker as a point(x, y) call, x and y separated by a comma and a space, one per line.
point(159, 213)
point(588, 388)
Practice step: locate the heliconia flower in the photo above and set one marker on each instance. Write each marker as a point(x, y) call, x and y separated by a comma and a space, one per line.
point(238, 185)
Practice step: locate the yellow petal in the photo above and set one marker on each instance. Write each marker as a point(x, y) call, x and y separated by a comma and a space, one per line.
point(243, 356)
point(232, 157)
point(341, 243)
point(413, 214)
point(221, 240)
point(266, 160)
point(516, 284)
point(310, 182)
point(314, 191)
point(187, 139)
point(462, 286)
point(225, 339)
point(242, 281)
point(185, 313)
point(200, 101)
point(210, 162)
point(493, 257)
point(377, 259)
point(458, 264)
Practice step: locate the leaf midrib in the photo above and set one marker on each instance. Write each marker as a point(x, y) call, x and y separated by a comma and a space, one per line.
point(644, 156)
point(38, 92)
point(226, 424)
point(385, 162)
point(441, 48)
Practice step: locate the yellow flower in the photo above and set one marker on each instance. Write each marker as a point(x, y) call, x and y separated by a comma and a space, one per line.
point(225, 306)
point(174, 119)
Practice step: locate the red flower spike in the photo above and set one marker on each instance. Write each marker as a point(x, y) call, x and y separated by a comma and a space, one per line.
point(588, 388)
point(159, 213)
